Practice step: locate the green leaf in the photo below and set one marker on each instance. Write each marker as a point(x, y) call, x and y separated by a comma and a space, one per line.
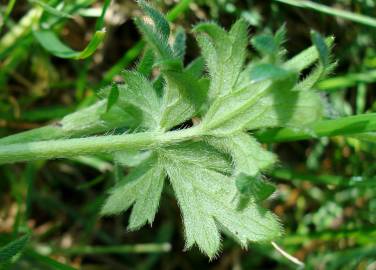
point(224, 54)
point(321, 47)
point(305, 58)
point(115, 117)
point(206, 199)
point(314, 77)
point(191, 88)
point(140, 93)
point(95, 119)
point(247, 154)
point(112, 97)
point(183, 96)
point(290, 109)
point(154, 39)
point(131, 158)
point(196, 67)
point(270, 45)
point(142, 188)
point(47, 261)
point(268, 71)
point(199, 154)
point(179, 46)
point(14, 248)
point(254, 187)
point(264, 43)
point(145, 66)
point(160, 22)
point(52, 44)
point(263, 104)
point(51, 9)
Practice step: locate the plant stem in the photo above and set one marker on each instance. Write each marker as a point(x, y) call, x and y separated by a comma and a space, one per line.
point(106, 144)
point(92, 145)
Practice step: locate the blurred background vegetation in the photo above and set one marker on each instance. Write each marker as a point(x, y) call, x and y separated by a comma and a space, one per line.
point(326, 187)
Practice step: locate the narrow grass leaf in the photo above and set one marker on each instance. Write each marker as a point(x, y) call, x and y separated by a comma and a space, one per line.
point(359, 18)
point(50, 9)
point(52, 44)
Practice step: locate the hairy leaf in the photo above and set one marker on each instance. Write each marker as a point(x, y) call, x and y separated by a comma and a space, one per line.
point(145, 65)
point(184, 95)
point(321, 47)
point(155, 40)
point(233, 112)
point(139, 92)
point(143, 188)
point(305, 58)
point(9, 251)
point(112, 97)
point(224, 54)
point(160, 23)
point(247, 154)
point(253, 187)
point(199, 154)
point(179, 46)
point(206, 199)
point(270, 45)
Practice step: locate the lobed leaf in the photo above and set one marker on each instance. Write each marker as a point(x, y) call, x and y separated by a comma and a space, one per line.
point(269, 45)
point(253, 187)
point(224, 54)
point(305, 58)
point(146, 63)
point(160, 22)
point(184, 94)
point(206, 199)
point(156, 41)
point(247, 154)
point(140, 93)
point(141, 188)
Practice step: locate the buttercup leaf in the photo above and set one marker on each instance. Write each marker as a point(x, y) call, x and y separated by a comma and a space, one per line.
point(143, 188)
point(193, 126)
point(206, 200)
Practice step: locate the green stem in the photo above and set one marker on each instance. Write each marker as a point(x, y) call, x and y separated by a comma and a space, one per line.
point(92, 145)
point(106, 144)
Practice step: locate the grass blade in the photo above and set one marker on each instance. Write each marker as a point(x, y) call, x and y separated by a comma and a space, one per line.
point(136, 249)
point(358, 18)
point(51, 43)
point(48, 261)
point(343, 126)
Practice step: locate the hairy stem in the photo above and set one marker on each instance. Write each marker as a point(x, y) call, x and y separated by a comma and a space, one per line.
point(92, 145)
